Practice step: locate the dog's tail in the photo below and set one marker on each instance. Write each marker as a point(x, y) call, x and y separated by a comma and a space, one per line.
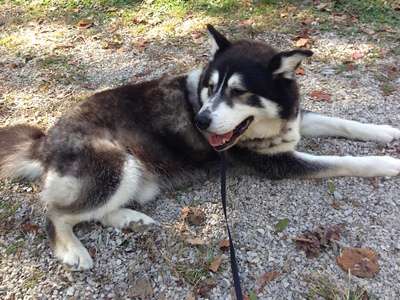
point(20, 152)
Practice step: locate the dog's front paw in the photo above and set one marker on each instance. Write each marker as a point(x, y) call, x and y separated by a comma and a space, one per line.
point(387, 166)
point(387, 134)
point(75, 259)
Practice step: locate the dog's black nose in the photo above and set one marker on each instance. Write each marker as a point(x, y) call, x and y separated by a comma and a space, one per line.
point(202, 121)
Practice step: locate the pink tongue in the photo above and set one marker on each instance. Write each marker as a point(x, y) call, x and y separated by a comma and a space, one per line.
point(216, 140)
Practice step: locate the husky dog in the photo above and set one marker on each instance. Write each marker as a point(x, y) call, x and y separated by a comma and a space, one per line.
point(130, 143)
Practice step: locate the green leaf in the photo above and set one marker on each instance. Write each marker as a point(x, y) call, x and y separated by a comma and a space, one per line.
point(252, 295)
point(331, 186)
point(312, 293)
point(282, 224)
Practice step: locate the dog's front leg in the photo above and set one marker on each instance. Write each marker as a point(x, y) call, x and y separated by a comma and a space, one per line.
point(295, 164)
point(313, 124)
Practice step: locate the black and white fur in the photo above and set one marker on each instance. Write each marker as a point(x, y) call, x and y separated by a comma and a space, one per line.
point(130, 143)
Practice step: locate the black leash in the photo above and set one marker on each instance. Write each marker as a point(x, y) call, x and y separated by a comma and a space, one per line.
point(235, 273)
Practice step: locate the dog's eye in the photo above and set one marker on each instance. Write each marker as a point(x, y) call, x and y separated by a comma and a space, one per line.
point(237, 92)
point(210, 89)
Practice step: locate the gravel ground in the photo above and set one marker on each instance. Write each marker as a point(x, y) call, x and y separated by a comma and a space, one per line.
point(160, 265)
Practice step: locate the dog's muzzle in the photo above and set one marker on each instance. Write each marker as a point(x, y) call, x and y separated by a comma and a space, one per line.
point(202, 121)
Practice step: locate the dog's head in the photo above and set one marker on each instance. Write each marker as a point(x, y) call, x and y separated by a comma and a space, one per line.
point(246, 86)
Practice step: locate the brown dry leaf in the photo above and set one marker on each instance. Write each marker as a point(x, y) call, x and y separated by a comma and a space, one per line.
point(88, 85)
point(194, 242)
point(368, 31)
point(267, 277)
point(142, 289)
point(31, 227)
point(374, 182)
point(361, 262)
point(92, 252)
point(185, 210)
point(284, 15)
point(396, 5)
point(248, 22)
point(388, 30)
point(320, 95)
point(382, 52)
point(224, 245)
point(111, 9)
point(296, 239)
point(84, 25)
point(66, 45)
point(44, 87)
point(301, 42)
point(300, 71)
point(323, 6)
point(72, 63)
point(214, 266)
point(196, 216)
point(13, 66)
point(291, 8)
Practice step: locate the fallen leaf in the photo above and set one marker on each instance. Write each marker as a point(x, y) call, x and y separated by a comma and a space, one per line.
point(72, 63)
point(248, 22)
point(301, 42)
point(320, 95)
point(111, 9)
point(374, 69)
point(368, 31)
point(252, 295)
point(284, 15)
point(331, 186)
point(185, 209)
point(88, 85)
point(282, 225)
point(267, 277)
point(44, 87)
point(92, 252)
point(83, 24)
point(66, 45)
point(133, 80)
point(223, 243)
point(31, 227)
point(141, 288)
point(351, 68)
point(196, 216)
point(300, 71)
point(361, 262)
point(214, 266)
point(396, 5)
point(195, 242)
point(13, 66)
point(357, 55)
point(314, 242)
point(374, 182)
point(323, 6)
point(382, 52)
point(388, 30)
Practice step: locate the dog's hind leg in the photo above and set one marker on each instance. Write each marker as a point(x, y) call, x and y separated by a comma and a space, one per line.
point(66, 246)
point(125, 218)
point(314, 124)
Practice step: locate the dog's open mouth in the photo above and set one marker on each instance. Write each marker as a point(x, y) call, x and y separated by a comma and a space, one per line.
point(224, 141)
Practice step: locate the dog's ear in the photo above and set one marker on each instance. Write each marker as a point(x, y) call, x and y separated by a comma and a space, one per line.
point(285, 63)
point(219, 43)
